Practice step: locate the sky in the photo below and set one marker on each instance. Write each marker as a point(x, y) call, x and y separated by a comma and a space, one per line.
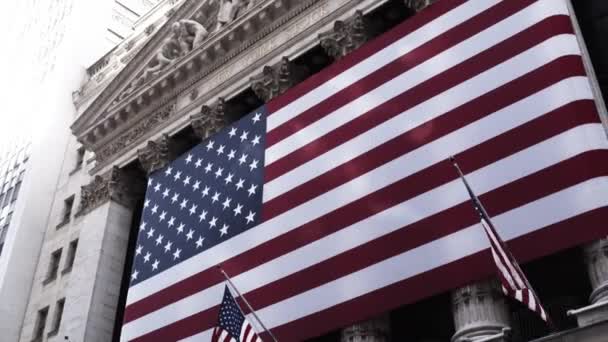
point(37, 38)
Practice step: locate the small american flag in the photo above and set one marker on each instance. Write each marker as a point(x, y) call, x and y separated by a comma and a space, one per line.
point(232, 324)
point(514, 282)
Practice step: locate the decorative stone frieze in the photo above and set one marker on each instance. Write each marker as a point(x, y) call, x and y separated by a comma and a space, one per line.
point(274, 80)
point(480, 312)
point(209, 120)
point(155, 155)
point(138, 130)
point(114, 186)
point(374, 330)
point(346, 36)
point(418, 5)
point(596, 257)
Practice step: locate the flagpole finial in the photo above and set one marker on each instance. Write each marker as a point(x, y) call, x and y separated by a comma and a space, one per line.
point(452, 159)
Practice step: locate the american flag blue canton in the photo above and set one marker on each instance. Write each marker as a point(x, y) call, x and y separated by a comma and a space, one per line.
point(207, 195)
point(231, 318)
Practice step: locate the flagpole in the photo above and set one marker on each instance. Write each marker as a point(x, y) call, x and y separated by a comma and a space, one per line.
point(246, 302)
point(481, 210)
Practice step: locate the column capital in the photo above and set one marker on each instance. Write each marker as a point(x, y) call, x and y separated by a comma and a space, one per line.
point(346, 36)
point(155, 155)
point(418, 5)
point(274, 80)
point(114, 185)
point(373, 330)
point(480, 311)
point(209, 120)
point(596, 258)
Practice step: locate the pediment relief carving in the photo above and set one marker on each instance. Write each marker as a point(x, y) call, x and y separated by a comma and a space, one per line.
point(187, 35)
point(114, 123)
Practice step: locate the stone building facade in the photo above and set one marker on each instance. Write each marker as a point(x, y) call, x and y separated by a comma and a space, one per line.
point(157, 94)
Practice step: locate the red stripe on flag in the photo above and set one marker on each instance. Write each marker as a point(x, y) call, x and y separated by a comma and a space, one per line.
point(505, 198)
point(362, 53)
point(428, 50)
point(461, 272)
point(480, 107)
point(497, 148)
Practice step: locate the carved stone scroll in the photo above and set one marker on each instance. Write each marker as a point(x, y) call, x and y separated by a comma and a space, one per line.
point(346, 36)
point(155, 155)
point(374, 330)
point(209, 120)
point(418, 5)
point(274, 81)
point(113, 185)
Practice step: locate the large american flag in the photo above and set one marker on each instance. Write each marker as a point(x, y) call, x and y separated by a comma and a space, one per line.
point(348, 207)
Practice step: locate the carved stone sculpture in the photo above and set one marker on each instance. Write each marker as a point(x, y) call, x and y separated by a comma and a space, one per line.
point(186, 35)
point(346, 36)
point(155, 155)
point(374, 330)
point(114, 186)
point(273, 81)
point(418, 5)
point(190, 34)
point(209, 120)
point(227, 12)
point(479, 311)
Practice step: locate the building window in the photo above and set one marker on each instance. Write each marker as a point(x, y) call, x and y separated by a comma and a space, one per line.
point(16, 192)
point(57, 317)
point(79, 159)
point(9, 194)
point(71, 256)
point(53, 266)
point(68, 203)
point(7, 221)
point(40, 324)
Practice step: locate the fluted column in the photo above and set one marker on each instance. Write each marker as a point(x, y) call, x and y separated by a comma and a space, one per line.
point(596, 257)
point(480, 312)
point(373, 330)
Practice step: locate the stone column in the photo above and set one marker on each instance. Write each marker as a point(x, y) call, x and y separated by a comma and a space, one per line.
point(104, 219)
point(374, 330)
point(480, 312)
point(346, 36)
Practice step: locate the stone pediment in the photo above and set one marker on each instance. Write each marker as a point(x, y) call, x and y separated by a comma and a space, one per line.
point(189, 44)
